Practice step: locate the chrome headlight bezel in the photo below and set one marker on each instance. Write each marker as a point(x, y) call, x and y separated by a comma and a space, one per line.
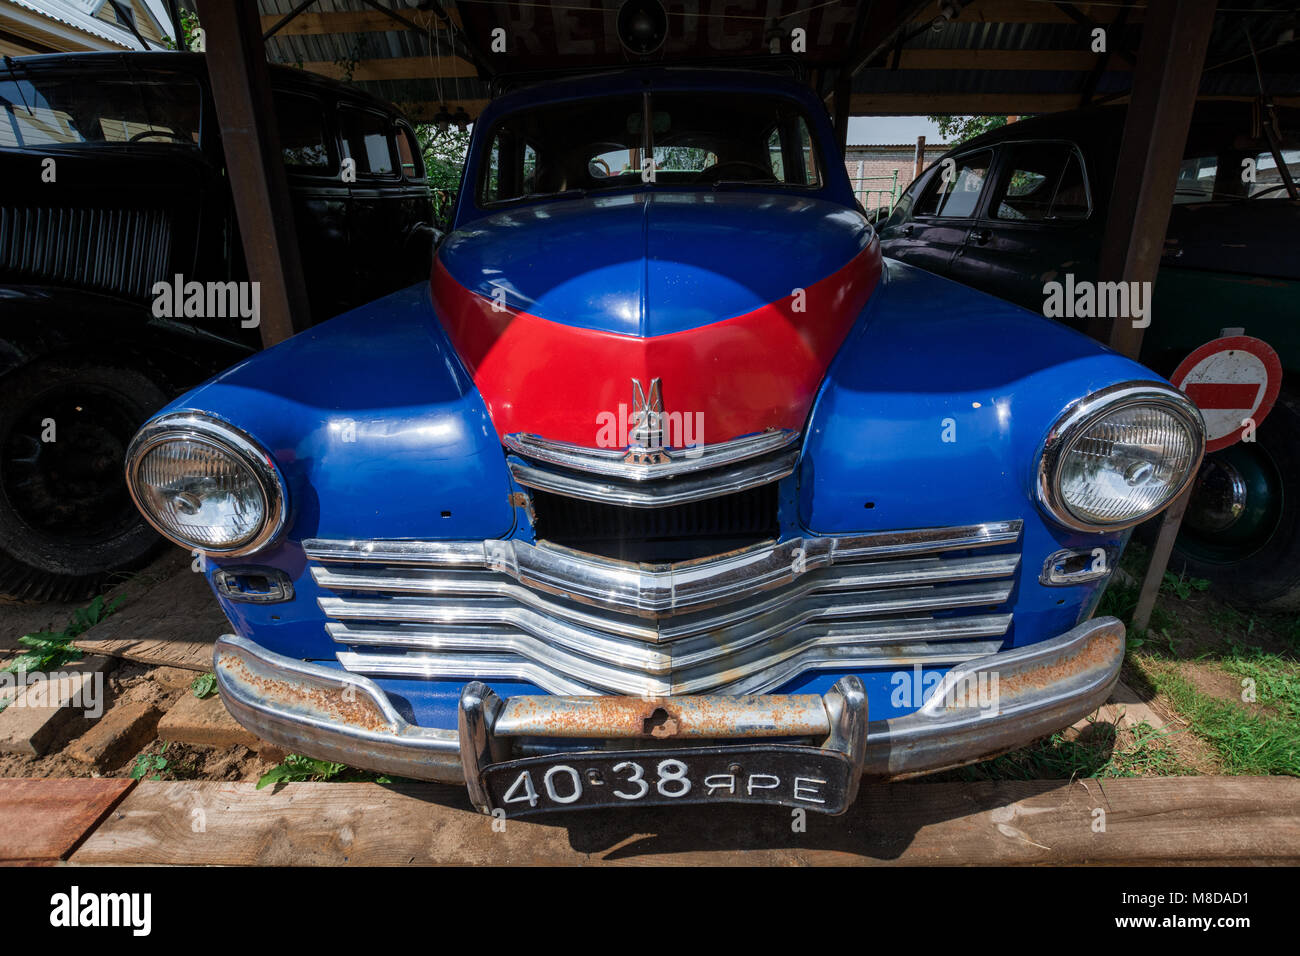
point(1081, 416)
point(206, 429)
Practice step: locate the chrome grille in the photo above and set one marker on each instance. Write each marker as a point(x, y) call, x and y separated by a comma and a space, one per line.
point(109, 250)
point(746, 622)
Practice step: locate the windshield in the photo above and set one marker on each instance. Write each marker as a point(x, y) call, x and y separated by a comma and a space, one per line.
point(45, 112)
point(661, 140)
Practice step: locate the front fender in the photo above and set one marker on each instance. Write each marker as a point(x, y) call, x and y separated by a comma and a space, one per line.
point(933, 414)
point(379, 434)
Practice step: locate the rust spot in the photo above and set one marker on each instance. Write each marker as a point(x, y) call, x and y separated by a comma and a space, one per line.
point(659, 724)
point(518, 499)
point(355, 711)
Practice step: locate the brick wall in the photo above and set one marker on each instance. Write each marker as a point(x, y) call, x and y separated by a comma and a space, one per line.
point(881, 162)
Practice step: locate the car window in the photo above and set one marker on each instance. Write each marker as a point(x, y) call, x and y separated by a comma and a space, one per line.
point(367, 138)
point(1196, 178)
point(1268, 179)
point(607, 142)
point(80, 112)
point(1041, 182)
point(302, 131)
point(408, 152)
point(954, 191)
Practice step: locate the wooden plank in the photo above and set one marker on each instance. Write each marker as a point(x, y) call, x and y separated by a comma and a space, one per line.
point(207, 723)
point(930, 59)
point(396, 68)
point(1019, 11)
point(1147, 821)
point(346, 21)
point(46, 819)
point(50, 702)
point(174, 624)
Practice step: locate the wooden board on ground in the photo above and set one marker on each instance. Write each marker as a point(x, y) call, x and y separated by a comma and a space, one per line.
point(207, 723)
point(174, 623)
point(43, 820)
point(1152, 821)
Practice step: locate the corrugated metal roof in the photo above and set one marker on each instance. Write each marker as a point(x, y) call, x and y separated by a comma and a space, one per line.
point(80, 15)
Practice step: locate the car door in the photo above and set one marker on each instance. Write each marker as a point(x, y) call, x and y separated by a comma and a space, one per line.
point(320, 200)
point(1036, 225)
point(374, 215)
point(928, 231)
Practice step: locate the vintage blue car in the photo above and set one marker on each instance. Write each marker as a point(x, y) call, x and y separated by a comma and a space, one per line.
point(666, 481)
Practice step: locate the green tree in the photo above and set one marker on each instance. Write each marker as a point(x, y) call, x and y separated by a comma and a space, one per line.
point(444, 149)
point(958, 129)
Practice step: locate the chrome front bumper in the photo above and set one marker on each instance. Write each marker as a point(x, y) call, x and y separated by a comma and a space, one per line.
point(981, 708)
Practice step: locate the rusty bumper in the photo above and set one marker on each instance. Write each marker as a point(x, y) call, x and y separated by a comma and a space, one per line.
point(981, 708)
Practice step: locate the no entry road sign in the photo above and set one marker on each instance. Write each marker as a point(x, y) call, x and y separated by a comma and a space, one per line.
point(1231, 380)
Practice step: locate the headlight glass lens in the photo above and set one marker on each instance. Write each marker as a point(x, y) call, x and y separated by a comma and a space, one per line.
point(201, 493)
point(1125, 464)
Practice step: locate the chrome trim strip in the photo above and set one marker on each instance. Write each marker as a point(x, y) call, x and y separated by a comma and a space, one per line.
point(486, 586)
point(1077, 418)
point(654, 591)
point(819, 655)
point(1042, 687)
point(612, 463)
point(659, 495)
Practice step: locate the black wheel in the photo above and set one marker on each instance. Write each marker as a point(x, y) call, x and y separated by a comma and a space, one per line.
point(66, 519)
point(1242, 527)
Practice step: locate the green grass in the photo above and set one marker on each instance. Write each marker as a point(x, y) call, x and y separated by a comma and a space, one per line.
point(1101, 752)
point(296, 768)
point(1245, 741)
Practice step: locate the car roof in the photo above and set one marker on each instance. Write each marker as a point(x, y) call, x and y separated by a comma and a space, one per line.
point(283, 78)
point(642, 79)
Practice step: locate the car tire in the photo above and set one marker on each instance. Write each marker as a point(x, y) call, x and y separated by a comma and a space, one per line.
point(1260, 569)
point(66, 518)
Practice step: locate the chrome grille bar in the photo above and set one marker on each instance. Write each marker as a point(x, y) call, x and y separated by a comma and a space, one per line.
point(744, 622)
point(653, 590)
point(723, 481)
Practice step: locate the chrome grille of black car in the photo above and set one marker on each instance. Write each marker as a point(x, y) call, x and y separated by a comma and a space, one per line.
point(744, 622)
point(123, 251)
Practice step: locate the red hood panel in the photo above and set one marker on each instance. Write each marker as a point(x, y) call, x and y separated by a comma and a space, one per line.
point(734, 377)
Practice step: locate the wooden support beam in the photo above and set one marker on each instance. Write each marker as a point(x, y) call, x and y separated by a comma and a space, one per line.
point(1008, 104)
point(1019, 11)
point(395, 68)
point(241, 89)
point(932, 59)
point(1171, 57)
point(1165, 83)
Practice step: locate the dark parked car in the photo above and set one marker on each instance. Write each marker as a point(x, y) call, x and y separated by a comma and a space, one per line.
point(114, 183)
point(1026, 204)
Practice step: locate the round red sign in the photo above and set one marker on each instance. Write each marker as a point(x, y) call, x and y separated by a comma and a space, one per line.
point(1233, 381)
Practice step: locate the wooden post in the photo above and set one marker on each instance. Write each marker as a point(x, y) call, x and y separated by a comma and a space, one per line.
point(1165, 82)
point(918, 162)
point(841, 99)
point(1166, 79)
point(241, 89)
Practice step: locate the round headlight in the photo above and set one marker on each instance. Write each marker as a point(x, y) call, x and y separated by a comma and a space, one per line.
point(205, 485)
point(1119, 456)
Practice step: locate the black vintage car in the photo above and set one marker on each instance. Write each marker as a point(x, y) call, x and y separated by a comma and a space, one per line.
point(1026, 204)
point(113, 182)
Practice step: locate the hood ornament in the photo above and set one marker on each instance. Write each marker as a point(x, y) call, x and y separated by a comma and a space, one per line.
point(646, 440)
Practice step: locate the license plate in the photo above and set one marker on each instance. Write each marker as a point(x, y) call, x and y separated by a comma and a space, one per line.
point(791, 776)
